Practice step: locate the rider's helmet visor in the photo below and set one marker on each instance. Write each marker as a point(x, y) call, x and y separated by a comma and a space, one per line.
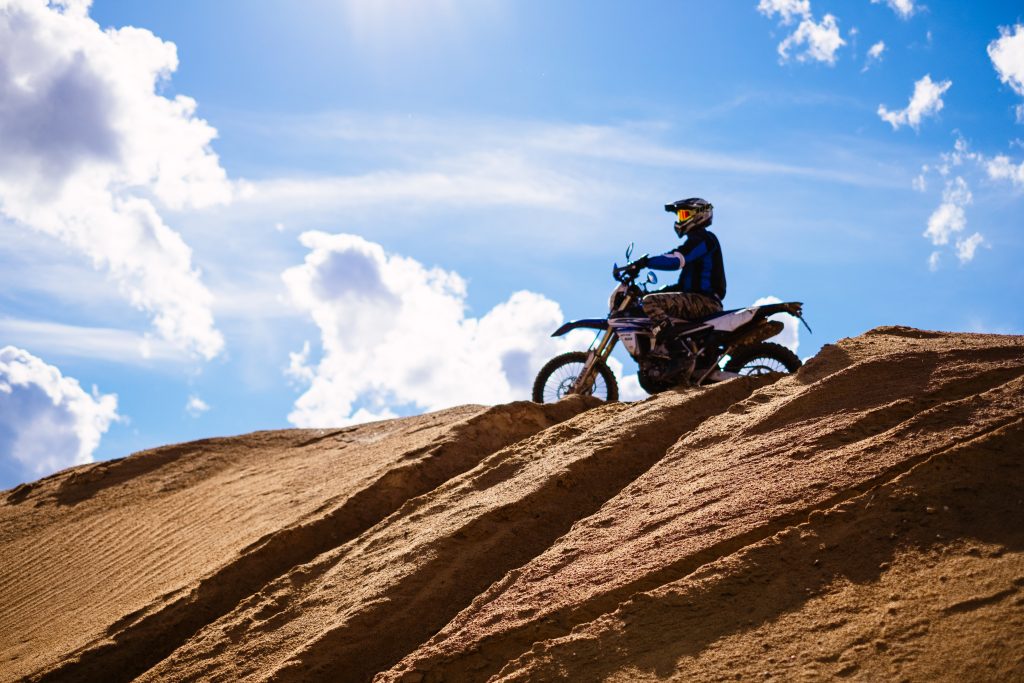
point(685, 215)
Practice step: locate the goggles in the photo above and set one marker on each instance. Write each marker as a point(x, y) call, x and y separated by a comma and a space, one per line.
point(685, 214)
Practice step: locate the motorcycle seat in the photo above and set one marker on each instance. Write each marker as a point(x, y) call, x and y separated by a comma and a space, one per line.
point(712, 316)
point(719, 314)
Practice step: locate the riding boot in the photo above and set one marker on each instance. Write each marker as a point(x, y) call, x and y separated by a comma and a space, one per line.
point(664, 334)
point(682, 362)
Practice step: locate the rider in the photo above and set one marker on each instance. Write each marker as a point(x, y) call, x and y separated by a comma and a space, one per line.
point(701, 285)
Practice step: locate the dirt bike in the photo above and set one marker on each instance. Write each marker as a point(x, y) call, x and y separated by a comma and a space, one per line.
point(740, 335)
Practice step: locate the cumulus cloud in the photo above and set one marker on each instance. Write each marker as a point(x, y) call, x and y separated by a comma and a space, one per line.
point(959, 169)
point(949, 221)
point(89, 150)
point(1007, 55)
point(786, 9)
point(950, 217)
point(629, 385)
point(944, 221)
point(966, 247)
point(1001, 167)
point(960, 155)
point(47, 421)
point(822, 39)
point(790, 335)
point(926, 101)
point(394, 333)
point(904, 8)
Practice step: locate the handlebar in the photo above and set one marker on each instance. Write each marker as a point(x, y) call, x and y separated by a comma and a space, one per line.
point(624, 275)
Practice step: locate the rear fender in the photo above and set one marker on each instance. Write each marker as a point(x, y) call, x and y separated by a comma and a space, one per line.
point(587, 324)
point(794, 308)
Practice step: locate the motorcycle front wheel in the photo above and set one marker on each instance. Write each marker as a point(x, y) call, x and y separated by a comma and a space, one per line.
point(557, 376)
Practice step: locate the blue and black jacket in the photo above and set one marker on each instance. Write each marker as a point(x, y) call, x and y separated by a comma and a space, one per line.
point(700, 257)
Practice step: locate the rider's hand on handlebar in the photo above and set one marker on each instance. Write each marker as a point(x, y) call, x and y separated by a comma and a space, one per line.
point(630, 269)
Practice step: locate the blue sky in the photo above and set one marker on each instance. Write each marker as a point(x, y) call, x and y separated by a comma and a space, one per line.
point(365, 209)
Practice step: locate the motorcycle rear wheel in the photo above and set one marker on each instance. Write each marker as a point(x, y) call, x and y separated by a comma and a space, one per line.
point(557, 376)
point(763, 358)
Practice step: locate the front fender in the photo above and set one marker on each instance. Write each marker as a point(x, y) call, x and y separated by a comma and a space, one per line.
point(588, 323)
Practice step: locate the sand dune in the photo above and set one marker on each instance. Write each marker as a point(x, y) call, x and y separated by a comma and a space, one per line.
point(863, 518)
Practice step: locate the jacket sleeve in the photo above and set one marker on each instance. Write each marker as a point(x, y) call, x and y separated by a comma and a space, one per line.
point(671, 260)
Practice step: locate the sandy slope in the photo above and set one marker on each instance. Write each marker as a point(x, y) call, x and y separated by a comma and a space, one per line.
point(862, 519)
point(107, 567)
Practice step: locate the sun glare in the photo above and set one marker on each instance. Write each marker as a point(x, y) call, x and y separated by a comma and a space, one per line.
point(383, 24)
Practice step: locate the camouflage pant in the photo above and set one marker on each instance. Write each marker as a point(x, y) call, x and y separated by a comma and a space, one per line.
point(661, 306)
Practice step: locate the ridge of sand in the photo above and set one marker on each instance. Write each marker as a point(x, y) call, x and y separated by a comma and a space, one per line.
point(109, 566)
point(863, 518)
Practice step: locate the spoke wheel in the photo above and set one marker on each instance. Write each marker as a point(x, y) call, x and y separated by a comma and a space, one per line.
point(554, 381)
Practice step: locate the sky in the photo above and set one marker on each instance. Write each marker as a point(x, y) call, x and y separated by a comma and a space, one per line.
point(223, 217)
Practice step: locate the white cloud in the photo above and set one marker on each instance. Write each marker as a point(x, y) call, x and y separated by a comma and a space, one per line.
point(961, 153)
point(1001, 167)
point(196, 406)
point(875, 53)
point(47, 421)
point(1007, 55)
point(950, 217)
point(966, 247)
point(786, 9)
point(395, 333)
point(299, 370)
point(948, 222)
point(88, 149)
point(926, 101)
point(944, 221)
point(822, 39)
point(920, 183)
point(904, 8)
point(790, 335)
point(629, 385)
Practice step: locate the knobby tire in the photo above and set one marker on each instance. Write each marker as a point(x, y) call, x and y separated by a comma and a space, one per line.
point(553, 365)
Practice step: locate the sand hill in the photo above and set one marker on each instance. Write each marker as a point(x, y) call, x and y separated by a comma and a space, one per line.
point(861, 519)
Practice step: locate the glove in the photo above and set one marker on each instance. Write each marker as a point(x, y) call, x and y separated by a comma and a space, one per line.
point(630, 269)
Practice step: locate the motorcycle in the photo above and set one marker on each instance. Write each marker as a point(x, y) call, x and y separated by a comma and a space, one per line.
point(740, 335)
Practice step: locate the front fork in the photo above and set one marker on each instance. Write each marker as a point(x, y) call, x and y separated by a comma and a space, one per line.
point(584, 384)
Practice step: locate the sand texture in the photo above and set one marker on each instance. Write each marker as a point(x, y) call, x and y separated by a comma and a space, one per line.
point(862, 519)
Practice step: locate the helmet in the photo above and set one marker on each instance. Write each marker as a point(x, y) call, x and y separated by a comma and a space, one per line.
point(691, 213)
